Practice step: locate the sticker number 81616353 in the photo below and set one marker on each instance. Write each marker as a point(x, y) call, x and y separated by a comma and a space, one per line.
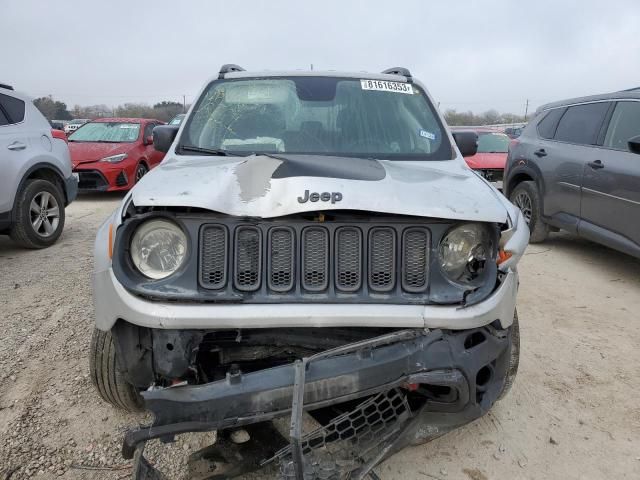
point(383, 85)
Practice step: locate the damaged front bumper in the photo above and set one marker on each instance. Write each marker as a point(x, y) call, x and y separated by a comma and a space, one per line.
point(401, 388)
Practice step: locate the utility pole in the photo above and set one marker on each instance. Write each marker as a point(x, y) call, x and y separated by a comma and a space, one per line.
point(526, 110)
point(184, 104)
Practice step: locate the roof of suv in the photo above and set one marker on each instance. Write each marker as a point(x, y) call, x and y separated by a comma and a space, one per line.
point(632, 93)
point(317, 73)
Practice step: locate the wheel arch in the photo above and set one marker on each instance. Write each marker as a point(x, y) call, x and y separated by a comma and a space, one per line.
point(522, 174)
point(40, 171)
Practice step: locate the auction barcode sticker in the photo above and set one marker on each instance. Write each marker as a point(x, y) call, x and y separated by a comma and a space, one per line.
point(384, 86)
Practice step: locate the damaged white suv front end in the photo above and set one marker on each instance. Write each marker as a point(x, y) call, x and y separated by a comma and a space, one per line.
point(312, 244)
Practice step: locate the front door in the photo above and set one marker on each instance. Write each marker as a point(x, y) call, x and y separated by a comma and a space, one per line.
point(611, 185)
point(563, 158)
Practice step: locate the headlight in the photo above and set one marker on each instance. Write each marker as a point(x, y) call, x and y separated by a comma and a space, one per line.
point(114, 158)
point(465, 251)
point(158, 248)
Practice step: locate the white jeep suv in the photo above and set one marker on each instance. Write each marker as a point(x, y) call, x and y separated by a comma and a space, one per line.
point(312, 244)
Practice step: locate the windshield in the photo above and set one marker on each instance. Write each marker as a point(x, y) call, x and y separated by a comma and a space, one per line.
point(112, 132)
point(493, 143)
point(317, 115)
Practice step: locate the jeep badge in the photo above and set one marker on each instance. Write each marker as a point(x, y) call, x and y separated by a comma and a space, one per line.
point(323, 197)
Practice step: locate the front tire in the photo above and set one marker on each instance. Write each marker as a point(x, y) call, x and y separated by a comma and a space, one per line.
point(39, 214)
point(514, 357)
point(107, 379)
point(527, 198)
point(141, 171)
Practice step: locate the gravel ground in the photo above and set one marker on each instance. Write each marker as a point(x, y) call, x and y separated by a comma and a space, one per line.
point(572, 414)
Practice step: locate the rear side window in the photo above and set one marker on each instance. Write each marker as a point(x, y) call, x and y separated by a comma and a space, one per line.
point(581, 124)
point(12, 109)
point(547, 126)
point(624, 125)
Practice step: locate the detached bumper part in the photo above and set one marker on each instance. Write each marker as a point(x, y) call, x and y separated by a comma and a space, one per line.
point(403, 388)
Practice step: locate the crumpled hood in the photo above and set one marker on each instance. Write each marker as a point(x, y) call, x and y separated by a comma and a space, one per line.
point(260, 186)
point(85, 152)
point(487, 160)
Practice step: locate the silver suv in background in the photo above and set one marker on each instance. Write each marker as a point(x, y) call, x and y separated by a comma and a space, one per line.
point(36, 183)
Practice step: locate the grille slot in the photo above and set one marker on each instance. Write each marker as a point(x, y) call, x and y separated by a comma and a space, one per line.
point(248, 258)
point(382, 261)
point(348, 253)
point(315, 259)
point(213, 256)
point(281, 259)
point(415, 259)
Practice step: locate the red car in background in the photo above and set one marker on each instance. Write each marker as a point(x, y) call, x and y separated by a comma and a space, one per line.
point(112, 154)
point(491, 157)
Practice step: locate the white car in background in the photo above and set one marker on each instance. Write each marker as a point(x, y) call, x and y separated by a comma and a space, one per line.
point(75, 124)
point(36, 183)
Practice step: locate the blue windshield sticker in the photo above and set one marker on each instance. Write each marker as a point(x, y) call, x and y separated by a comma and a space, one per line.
point(429, 135)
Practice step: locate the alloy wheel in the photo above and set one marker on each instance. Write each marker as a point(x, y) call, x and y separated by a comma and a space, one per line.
point(524, 203)
point(44, 213)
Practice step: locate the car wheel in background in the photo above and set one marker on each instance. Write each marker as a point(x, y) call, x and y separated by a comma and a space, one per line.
point(107, 379)
point(39, 214)
point(527, 198)
point(141, 171)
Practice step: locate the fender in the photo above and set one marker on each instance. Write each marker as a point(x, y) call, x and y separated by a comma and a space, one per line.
point(38, 166)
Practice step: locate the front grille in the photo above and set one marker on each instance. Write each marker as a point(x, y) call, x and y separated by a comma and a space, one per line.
point(492, 174)
point(91, 180)
point(304, 258)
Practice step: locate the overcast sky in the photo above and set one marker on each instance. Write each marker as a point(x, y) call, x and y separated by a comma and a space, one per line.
point(471, 55)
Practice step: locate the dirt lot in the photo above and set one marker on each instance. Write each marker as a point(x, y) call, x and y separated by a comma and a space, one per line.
point(574, 411)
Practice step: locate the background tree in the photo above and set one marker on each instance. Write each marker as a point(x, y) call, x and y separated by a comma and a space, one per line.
point(166, 110)
point(52, 109)
point(92, 111)
point(134, 110)
point(490, 117)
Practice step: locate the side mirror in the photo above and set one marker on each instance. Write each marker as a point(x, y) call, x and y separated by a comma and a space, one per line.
point(634, 145)
point(467, 143)
point(163, 137)
point(148, 140)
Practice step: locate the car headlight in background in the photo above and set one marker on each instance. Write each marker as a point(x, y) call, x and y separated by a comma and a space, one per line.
point(158, 248)
point(114, 158)
point(464, 252)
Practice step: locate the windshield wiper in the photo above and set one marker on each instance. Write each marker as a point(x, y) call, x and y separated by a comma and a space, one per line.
point(227, 153)
point(209, 151)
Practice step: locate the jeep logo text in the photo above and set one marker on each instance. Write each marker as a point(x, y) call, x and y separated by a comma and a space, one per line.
point(323, 197)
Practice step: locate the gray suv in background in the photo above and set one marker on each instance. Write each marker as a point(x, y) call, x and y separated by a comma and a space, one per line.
point(576, 167)
point(36, 183)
